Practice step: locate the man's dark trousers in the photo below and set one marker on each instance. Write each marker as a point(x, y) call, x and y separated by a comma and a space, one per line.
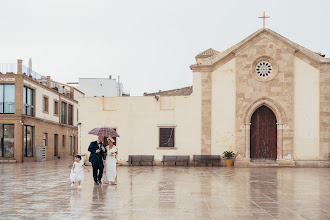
point(97, 169)
point(96, 160)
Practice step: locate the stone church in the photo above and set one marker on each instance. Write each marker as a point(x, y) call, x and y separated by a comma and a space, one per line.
point(266, 98)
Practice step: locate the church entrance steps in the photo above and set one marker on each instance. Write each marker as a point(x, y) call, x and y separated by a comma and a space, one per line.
point(264, 164)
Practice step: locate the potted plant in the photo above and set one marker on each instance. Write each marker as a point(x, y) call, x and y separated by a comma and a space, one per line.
point(228, 155)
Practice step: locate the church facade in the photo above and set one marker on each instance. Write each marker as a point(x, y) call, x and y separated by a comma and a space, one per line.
point(266, 98)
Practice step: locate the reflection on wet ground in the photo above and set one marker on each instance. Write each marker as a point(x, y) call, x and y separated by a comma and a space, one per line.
point(42, 191)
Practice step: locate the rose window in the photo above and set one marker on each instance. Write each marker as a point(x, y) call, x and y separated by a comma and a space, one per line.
point(264, 69)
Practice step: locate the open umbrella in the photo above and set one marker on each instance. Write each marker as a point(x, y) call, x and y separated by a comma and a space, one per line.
point(104, 131)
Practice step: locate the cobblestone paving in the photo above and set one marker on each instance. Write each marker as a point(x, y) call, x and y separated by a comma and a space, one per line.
point(42, 191)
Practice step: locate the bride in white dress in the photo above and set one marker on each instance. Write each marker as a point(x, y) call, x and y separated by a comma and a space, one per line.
point(111, 162)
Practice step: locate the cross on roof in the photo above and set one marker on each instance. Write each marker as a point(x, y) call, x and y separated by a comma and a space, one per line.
point(264, 18)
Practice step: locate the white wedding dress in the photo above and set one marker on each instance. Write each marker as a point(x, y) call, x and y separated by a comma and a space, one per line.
point(111, 164)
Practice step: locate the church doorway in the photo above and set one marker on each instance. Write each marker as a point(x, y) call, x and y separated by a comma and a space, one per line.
point(263, 136)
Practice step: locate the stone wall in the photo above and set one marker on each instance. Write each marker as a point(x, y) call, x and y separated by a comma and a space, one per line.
point(278, 90)
point(325, 111)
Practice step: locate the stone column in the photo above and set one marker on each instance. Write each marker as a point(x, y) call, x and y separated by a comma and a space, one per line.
point(280, 142)
point(18, 141)
point(206, 112)
point(247, 140)
point(19, 66)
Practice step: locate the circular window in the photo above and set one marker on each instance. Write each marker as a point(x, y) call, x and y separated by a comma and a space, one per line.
point(264, 69)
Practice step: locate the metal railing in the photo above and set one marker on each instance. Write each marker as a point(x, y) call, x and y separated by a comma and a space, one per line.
point(8, 68)
point(30, 73)
point(11, 68)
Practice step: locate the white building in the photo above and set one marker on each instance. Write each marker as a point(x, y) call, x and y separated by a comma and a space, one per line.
point(100, 87)
point(266, 98)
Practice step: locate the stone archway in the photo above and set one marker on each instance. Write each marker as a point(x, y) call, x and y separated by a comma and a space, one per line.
point(280, 118)
point(263, 135)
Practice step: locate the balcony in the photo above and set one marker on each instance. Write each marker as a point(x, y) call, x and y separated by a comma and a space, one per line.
point(11, 68)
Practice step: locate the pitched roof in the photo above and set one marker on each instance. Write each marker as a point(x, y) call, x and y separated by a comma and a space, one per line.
point(207, 53)
point(217, 57)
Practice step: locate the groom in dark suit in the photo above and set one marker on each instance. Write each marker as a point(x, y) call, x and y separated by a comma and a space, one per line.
point(97, 150)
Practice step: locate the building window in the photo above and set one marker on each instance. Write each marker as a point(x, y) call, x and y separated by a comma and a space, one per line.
point(264, 69)
point(166, 137)
point(28, 101)
point(45, 104)
point(7, 99)
point(28, 141)
point(63, 140)
point(55, 144)
point(63, 113)
point(55, 107)
point(70, 114)
point(7, 140)
point(70, 145)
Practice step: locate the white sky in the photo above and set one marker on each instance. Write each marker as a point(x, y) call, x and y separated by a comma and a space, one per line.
point(149, 43)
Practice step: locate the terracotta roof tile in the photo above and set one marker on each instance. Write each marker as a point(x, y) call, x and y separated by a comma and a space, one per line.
point(207, 53)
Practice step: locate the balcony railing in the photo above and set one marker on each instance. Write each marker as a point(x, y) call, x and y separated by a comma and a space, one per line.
point(8, 68)
point(11, 68)
point(30, 73)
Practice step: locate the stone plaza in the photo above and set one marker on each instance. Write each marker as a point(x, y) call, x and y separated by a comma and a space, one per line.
point(41, 190)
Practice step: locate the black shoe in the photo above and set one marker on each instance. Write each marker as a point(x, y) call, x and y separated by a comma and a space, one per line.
point(99, 182)
point(96, 183)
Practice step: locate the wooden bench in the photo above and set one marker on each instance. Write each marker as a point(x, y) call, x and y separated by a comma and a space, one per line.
point(207, 159)
point(176, 159)
point(140, 159)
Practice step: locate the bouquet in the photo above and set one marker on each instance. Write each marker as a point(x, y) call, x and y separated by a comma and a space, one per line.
point(112, 152)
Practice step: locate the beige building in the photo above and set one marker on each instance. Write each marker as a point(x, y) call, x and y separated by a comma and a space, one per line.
point(36, 111)
point(266, 98)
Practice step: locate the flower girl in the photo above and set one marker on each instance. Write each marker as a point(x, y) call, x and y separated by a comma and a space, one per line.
point(77, 172)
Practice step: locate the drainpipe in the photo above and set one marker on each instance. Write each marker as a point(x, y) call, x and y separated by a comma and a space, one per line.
point(22, 123)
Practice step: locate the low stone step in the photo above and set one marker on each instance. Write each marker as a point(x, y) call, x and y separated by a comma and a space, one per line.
point(264, 164)
point(8, 161)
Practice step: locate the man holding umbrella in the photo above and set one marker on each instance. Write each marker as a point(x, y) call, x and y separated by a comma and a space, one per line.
point(97, 150)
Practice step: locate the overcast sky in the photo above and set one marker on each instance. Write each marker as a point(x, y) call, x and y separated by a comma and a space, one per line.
point(149, 43)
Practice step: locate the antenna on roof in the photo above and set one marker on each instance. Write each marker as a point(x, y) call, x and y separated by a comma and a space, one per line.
point(30, 67)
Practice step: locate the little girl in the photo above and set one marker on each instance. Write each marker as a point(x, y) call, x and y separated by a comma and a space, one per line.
point(77, 172)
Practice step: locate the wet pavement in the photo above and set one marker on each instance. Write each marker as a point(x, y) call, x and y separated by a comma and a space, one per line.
point(41, 190)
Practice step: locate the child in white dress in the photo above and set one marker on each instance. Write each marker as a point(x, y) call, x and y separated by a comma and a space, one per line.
point(77, 172)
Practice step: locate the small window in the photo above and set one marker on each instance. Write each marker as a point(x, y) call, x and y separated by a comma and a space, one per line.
point(45, 104)
point(7, 99)
point(55, 144)
point(70, 145)
point(55, 107)
point(166, 137)
point(28, 141)
point(63, 140)
point(70, 114)
point(28, 108)
point(64, 113)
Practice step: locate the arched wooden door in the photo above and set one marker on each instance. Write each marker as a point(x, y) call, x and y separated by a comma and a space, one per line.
point(263, 134)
